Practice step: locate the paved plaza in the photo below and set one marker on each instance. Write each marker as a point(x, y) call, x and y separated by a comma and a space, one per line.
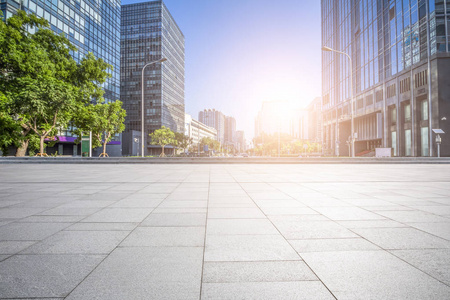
point(190, 231)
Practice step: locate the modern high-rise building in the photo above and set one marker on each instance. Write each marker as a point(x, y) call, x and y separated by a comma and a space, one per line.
point(230, 130)
point(400, 69)
point(306, 122)
point(149, 33)
point(241, 145)
point(314, 111)
point(90, 25)
point(274, 117)
point(216, 119)
point(299, 124)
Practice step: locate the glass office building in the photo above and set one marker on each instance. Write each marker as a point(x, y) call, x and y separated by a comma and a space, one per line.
point(149, 33)
point(92, 26)
point(401, 68)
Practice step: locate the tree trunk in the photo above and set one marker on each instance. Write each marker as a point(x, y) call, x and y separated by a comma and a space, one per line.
point(162, 152)
point(41, 145)
point(104, 147)
point(22, 150)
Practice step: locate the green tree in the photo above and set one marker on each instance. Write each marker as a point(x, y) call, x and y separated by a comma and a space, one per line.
point(162, 137)
point(105, 120)
point(41, 81)
point(211, 143)
point(182, 141)
point(10, 130)
point(18, 59)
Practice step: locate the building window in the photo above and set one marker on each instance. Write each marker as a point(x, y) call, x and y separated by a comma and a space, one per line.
point(390, 91)
point(408, 142)
point(359, 104)
point(421, 78)
point(393, 115)
point(407, 113)
point(424, 148)
point(379, 95)
point(394, 142)
point(424, 110)
point(405, 85)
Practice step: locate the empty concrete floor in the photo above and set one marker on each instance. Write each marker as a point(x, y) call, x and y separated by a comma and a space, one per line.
point(225, 231)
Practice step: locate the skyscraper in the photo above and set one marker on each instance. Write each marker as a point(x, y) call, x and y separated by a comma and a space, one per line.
point(216, 119)
point(401, 68)
point(230, 130)
point(315, 120)
point(90, 25)
point(241, 145)
point(274, 117)
point(149, 33)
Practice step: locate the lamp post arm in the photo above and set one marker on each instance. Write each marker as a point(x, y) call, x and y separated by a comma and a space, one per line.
point(351, 96)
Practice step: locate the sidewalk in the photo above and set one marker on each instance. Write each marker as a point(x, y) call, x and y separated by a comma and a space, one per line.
point(222, 231)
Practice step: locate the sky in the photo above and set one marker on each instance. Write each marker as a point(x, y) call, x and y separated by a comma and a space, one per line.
point(239, 53)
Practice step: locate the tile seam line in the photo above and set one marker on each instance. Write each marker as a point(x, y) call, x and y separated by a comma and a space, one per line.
point(366, 209)
point(269, 182)
point(384, 249)
point(106, 256)
point(298, 254)
point(71, 223)
point(206, 228)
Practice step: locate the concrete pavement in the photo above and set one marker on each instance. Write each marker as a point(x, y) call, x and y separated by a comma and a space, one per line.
point(241, 231)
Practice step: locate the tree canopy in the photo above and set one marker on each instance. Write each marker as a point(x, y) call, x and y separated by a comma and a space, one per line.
point(266, 144)
point(182, 141)
point(43, 87)
point(162, 137)
point(104, 120)
point(211, 143)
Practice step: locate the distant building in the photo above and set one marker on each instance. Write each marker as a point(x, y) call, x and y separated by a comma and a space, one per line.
point(241, 145)
point(197, 130)
point(314, 112)
point(306, 123)
point(230, 131)
point(299, 124)
point(274, 117)
point(149, 33)
point(216, 119)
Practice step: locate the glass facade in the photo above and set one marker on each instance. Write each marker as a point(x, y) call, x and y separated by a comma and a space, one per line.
point(91, 25)
point(148, 33)
point(391, 44)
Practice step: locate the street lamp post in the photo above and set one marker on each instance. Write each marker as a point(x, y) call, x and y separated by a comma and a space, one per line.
point(351, 94)
point(142, 101)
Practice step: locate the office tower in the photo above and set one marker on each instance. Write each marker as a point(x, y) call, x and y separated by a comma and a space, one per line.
point(274, 117)
point(230, 130)
point(299, 124)
point(314, 111)
point(240, 141)
point(149, 33)
point(91, 26)
point(400, 69)
point(216, 119)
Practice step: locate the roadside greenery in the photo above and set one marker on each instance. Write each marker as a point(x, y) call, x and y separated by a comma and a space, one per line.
point(183, 142)
point(211, 143)
point(104, 120)
point(267, 145)
point(43, 89)
point(162, 137)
